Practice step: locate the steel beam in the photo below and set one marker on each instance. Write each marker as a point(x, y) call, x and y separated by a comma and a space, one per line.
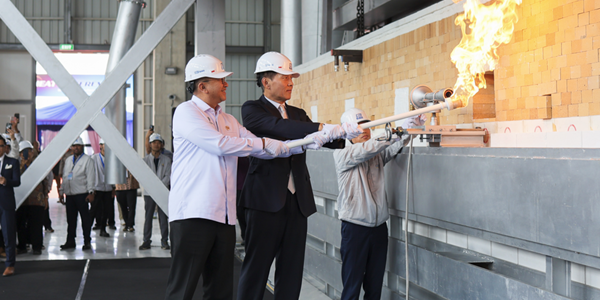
point(89, 108)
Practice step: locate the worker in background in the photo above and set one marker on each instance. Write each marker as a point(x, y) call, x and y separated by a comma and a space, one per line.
point(10, 177)
point(30, 223)
point(362, 205)
point(277, 195)
point(79, 179)
point(127, 199)
point(149, 148)
point(13, 138)
point(202, 208)
point(105, 194)
point(160, 164)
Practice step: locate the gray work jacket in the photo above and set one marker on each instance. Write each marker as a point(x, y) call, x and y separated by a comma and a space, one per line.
point(164, 168)
point(84, 176)
point(101, 184)
point(359, 168)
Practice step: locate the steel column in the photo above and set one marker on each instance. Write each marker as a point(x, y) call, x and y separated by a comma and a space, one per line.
point(123, 38)
point(89, 107)
point(291, 30)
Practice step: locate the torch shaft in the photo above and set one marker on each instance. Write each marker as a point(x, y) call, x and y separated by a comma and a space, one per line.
point(397, 117)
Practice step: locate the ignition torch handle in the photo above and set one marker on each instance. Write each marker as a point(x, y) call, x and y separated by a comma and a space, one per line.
point(448, 104)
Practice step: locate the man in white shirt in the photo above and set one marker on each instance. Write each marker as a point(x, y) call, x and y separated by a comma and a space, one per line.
point(202, 200)
point(104, 201)
point(79, 179)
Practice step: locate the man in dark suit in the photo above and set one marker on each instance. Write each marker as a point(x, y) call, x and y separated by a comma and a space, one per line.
point(277, 195)
point(10, 177)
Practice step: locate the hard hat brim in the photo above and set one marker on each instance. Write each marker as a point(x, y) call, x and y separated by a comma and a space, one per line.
point(282, 72)
point(214, 75)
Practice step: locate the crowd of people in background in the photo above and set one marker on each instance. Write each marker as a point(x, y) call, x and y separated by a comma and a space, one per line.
point(82, 188)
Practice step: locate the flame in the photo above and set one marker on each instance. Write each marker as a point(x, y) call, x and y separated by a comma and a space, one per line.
point(484, 28)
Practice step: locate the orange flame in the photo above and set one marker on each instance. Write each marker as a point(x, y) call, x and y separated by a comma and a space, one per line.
point(484, 29)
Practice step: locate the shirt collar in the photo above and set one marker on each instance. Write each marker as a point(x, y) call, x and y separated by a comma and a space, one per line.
point(204, 106)
point(276, 104)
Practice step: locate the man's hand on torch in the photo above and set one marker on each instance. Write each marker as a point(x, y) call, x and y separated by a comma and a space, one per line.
point(352, 130)
point(319, 139)
point(414, 121)
point(276, 148)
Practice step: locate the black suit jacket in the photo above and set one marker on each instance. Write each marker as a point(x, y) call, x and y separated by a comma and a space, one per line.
point(266, 184)
point(10, 170)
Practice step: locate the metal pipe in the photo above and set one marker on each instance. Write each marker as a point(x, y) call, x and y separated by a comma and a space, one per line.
point(123, 38)
point(448, 104)
point(291, 30)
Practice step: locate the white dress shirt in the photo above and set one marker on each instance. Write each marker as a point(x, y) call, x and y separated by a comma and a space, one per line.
point(282, 110)
point(207, 143)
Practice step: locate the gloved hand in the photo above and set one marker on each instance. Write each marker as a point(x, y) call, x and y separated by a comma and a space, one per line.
point(352, 130)
point(276, 148)
point(414, 121)
point(319, 139)
point(333, 132)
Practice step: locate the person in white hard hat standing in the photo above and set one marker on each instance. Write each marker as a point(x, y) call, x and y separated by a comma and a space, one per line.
point(277, 195)
point(79, 179)
point(362, 205)
point(104, 202)
point(202, 198)
point(31, 218)
point(161, 165)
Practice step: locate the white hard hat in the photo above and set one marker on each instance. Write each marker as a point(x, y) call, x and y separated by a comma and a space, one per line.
point(25, 145)
point(205, 65)
point(156, 137)
point(275, 62)
point(354, 115)
point(78, 141)
point(101, 142)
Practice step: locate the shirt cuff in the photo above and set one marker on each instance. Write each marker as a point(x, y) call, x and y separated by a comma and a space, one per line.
point(257, 145)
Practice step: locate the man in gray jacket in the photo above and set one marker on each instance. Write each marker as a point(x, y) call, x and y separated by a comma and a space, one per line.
point(161, 165)
point(79, 180)
point(363, 208)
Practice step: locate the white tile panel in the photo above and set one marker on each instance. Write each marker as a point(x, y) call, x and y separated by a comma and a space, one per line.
point(422, 229)
point(578, 273)
point(438, 234)
point(457, 239)
point(532, 260)
point(503, 140)
point(349, 103)
point(314, 113)
point(592, 277)
point(590, 139)
point(537, 126)
point(510, 127)
point(507, 253)
point(479, 245)
point(531, 140)
point(572, 124)
point(564, 139)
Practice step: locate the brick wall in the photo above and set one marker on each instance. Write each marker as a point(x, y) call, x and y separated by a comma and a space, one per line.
point(549, 70)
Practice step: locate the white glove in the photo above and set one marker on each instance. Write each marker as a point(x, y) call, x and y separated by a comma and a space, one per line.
point(352, 130)
point(276, 148)
point(318, 140)
point(414, 121)
point(333, 132)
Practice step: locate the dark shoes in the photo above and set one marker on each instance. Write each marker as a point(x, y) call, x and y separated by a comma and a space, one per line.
point(145, 246)
point(49, 229)
point(104, 233)
point(128, 229)
point(96, 227)
point(86, 246)
point(37, 252)
point(67, 246)
point(165, 246)
point(113, 227)
point(21, 251)
point(9, 271)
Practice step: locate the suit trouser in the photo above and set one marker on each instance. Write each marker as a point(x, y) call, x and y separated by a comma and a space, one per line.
point(268, 235)
point(47, 221)
point(103, 200)
point(9, 229)
point(77, 204)
point(127, 201)
point(22, 237)
point(201, 247)
point(95, 210)
point(240, 214)
point(33, 231)
point(163, 221)
point(364, 253)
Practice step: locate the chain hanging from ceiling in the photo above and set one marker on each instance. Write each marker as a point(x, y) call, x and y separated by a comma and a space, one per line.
point(360, 18)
